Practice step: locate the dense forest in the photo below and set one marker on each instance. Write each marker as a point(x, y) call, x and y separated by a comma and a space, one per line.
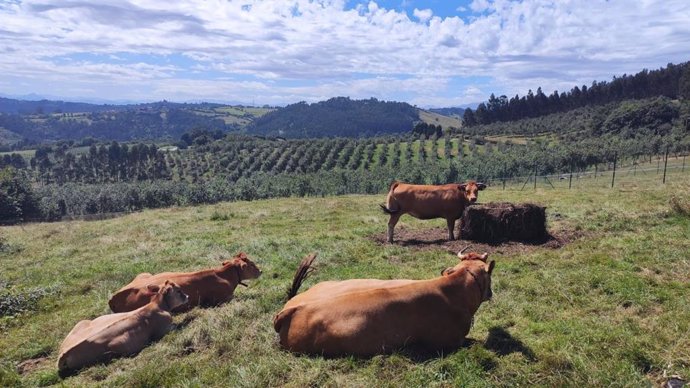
point(672, 81)
point(338, 117)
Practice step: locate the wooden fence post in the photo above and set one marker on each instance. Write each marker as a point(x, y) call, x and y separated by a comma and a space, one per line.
point(615, 159)
point(505, 168)
point(665, 164)
point(535, 176)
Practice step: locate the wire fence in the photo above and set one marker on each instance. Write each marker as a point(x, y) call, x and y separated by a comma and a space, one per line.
point(661, 170)
point(664, 168)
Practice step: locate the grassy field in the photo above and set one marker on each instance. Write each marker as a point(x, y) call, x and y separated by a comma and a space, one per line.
point(611, 308)
point(438, 119)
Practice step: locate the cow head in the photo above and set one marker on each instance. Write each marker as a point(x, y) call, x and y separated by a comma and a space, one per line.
point(171, 293)
point(471, 190)
point(246, 268)
point(476, 266)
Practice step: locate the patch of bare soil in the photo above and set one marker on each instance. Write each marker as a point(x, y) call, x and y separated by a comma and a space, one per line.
point(437, 238)
point(31, 364)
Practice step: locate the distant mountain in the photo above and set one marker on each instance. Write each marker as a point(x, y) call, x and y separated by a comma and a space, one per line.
point(337, 117)
point(47, 120)
point(12, 106)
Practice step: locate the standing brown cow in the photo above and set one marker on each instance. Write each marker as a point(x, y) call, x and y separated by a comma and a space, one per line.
point(430, 201)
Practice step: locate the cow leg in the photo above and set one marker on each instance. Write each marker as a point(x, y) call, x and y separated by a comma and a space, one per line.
point(451, 226)
point(391, 225)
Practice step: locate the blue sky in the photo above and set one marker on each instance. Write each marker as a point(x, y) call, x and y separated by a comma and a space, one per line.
point(428, 53)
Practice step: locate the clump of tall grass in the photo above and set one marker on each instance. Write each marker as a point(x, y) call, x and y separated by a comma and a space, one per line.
point(16, 302)
point(680, 203)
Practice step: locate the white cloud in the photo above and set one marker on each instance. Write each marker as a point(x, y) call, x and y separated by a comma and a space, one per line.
point(312, 49)
point(423, 14)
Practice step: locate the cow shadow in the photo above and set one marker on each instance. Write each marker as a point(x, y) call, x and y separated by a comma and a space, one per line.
point(499, 341)
point(186, 320)
point(421, 354)
point(416, 242)
point(503, 343)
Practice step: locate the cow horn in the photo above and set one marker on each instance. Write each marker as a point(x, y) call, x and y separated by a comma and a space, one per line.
point(460, 254)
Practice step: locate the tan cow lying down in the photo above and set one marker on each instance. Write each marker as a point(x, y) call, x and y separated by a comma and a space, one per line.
point(430, 201)
point(206, 288)
point(363, 317)
point(119, 334)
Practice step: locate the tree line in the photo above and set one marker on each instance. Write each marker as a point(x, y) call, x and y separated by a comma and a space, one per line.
point(337, 117)
point(673, 81)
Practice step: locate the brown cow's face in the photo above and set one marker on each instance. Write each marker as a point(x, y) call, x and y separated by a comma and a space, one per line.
point(480, 271)
point(249, 270)
point(173, 294)
point(471, 190)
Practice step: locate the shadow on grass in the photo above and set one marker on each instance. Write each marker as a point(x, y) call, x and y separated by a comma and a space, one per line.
point(502, 343)
point(189, 318)
point(419, 243)
point(421, 354)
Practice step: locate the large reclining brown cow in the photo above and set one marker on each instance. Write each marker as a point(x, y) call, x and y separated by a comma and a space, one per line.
point(119, 334)
point(430, 201)
point(208, 287)
point(363, 317)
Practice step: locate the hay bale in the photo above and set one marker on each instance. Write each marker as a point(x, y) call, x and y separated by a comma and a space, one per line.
point(497, 222)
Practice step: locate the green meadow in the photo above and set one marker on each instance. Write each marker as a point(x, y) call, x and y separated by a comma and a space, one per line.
point(610, 308)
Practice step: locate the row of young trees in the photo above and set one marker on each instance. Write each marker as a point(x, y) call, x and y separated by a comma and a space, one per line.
point(19, 199)
point(236, 157)
point(672, 81)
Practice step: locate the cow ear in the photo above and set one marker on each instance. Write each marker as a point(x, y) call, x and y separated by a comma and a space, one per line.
point(447, 271)
point(241, 255)
point(484, 256)
point(153, 288)
point(462, 187)
point(492, 264)
point(481, 186)
point(226, 262)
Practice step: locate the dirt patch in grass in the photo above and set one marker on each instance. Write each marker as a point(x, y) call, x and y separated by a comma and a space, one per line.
point(31, 364)
point(437, 238)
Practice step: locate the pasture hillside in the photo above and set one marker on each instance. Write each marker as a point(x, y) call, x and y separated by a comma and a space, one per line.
point(611, 307)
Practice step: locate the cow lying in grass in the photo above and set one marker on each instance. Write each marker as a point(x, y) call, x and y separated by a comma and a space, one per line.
point(430, 201)
point(364, 317)
point(208, 287)
point(120, 334)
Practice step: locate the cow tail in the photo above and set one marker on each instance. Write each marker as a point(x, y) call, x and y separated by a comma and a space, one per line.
point(385, 208)
point(305, 268)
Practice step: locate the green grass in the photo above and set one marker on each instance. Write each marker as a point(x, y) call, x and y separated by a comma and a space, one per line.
point(610, 309)
point(438, 119)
